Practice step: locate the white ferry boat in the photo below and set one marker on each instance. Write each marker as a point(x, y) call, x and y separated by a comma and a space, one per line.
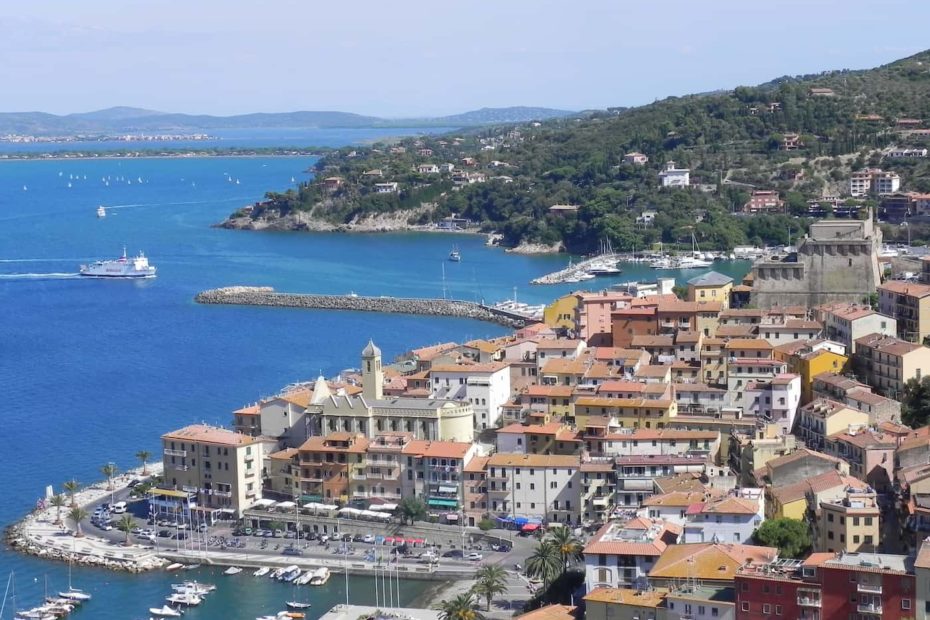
point(122, 267)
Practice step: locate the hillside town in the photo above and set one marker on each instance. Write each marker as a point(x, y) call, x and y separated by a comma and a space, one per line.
point(665, 431)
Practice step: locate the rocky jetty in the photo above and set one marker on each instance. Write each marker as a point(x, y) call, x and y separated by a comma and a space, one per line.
point(266, 296)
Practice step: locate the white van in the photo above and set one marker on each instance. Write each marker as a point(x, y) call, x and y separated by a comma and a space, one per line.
point(118, 508)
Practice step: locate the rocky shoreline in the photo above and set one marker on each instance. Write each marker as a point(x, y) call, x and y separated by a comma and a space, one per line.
point(40, 534)
point(266, 296)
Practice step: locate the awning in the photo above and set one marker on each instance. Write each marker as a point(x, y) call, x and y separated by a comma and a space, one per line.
point(452, 517)
point(504, 519)
point(172, 493)
point(384, 507)
point(311, 498)
point(530, 527)
point(445, 503)
point(448, 489)
point(286, 505)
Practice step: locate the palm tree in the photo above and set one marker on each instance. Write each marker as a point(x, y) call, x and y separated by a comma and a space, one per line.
point(125, 524)
point(109, 470)
point(58, 501)
point(462, 607)
point(71, 487)
point(569, 546)
point(491, 580)
point(144, 456)
point(545, 562)
point(77, 514)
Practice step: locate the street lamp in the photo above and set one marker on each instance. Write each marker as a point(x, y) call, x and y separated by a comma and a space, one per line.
point(904, 224)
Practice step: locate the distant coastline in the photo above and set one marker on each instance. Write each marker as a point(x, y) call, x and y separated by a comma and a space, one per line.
point(166, 154)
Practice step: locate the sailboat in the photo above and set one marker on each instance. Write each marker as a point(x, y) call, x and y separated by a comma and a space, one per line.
point(297, 604)
point(455, 256)
point(696, 259)
point(73, 593)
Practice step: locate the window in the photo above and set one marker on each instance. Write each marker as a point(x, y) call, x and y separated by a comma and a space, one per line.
point(744, 586)
point(766, 608)
point(905, 603)
point(744, 606)
point(777, 610)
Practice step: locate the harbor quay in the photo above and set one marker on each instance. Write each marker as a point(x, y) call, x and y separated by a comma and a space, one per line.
point(267, 296)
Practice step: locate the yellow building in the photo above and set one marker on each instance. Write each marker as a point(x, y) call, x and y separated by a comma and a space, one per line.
point(711, 286)
point(808, 360)
point(562, 312)
point(850, 524)
point(625, 604)
point(629, 412)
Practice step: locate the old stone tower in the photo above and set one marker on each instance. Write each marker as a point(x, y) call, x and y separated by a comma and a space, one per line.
point(837, 261)
point(372, 375)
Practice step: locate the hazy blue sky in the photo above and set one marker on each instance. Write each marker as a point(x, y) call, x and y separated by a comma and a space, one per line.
point(400, 57)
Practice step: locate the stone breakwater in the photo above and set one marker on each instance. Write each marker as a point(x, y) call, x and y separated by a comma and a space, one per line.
point(43, 535)
point(266, 296)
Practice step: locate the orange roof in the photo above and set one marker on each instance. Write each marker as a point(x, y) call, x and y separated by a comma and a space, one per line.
point(446, 449)
point(482, 345)
point(557, 343)
point(477, 368)
point(549, 390)
point(621, 386)
point(732, 506)
point(625, 539)
point(562, 365)
point(357, 443)
point(284, 455)
point(301, 398)
point(503, 459)
point(551, 612)
point(595, 401)
point(709, 561)
point(477, 464)
point(901, 287)
point(201, 433)
point(749, 343)
point(551, 428)
point(627, 596)
point(677, 499)
point(250, 410)
point(428, 353)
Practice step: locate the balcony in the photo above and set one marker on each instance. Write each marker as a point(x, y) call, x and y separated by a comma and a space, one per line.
point(869, 588)
point(808, 601)
point(219, 493)
point(498, 490)
point(601, 501)
point(871, 608)
point(501, 475)
point(181, 453)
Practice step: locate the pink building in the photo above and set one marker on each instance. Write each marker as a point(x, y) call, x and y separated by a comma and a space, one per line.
point(592, 315)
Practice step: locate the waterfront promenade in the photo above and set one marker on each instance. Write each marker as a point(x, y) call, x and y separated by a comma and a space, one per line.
point(267, 296)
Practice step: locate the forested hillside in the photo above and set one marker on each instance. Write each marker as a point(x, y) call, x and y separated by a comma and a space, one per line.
point(507, 178)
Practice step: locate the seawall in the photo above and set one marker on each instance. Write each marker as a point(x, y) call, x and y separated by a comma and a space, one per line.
point(266, 296)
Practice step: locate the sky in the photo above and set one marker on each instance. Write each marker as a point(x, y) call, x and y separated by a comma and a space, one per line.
point(406, 58)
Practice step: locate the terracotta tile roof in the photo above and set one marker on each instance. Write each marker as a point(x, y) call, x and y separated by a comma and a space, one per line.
point(638, 536)
point(887, 344)
point(901, 287)
point(357, 443)
point(615, 353)
point(642, 341)
point(201, 433)
point(301, 398)
point(488, 367)
point(731, 506)
point(657, 371)
point(595, 401)
point(446, 449)
point(503, 459)
point(708, 561)
point(477, 464)
point(482, 345)
point(559, 391)
point(428, 353)
point(732, 313)
point(687, 337)
point(818, 484)
point(551, 612)
point(848, 312)
point(597, 467)
point(284, 455)
point(687, 482)
point(632, 387)
point(677, 499)
point(797, 455)
point(557, 343)
point(531, 429)
point(818, 559)
point(627, 596)
point(250, 410)
point(564, 366)
point(735, 331)
point(749, 343)
point(866, 439)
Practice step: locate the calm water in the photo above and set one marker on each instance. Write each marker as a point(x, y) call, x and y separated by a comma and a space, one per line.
point(93, 371)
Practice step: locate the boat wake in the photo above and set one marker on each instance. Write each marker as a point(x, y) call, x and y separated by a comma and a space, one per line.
point(176, 204)
point(39, 276)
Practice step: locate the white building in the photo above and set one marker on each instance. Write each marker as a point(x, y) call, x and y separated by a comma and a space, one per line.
point(774, 401)
point(742, 371)
point(535, 486)
point(486, 386)
point(622, 554)
point(386, 188)
point(551, 348)
point(428, 169)
point(873, 181)
point(844, 322)
point(898, 152)
point(675, 177)
point(731, 519)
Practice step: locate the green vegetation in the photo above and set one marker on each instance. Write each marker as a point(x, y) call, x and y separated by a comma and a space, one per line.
point(144, 456)
point(490, 580)
point(71, 487)
point(109, 470)
point(731, 141)
point(485, 524)
point(58, 501)
point(462, 607)
point(789, 535)
point(78, 515)
point(915, 402)
point(412, 509)
point(125, 525)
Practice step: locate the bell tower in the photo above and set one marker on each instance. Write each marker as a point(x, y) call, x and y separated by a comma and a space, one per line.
point(372, 375)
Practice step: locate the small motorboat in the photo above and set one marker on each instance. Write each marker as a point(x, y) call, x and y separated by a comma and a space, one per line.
point(185, 598)
point(232, 570)
point(75, 594)
point(320, 577)
point(194, 586)
point(297, 605)
point(165, 612)
point(261, 572)
point(173, 567)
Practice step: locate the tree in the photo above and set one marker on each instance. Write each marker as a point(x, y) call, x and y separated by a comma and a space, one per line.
point(915, 402)
point(412, 509)
point(462, 607)
point(491, 580)
point(545, 562)
point(58, 501)
point(789, 535)
point(568, 545)
point(109, 470)
point(77, 514)
point(125, 524)
point(144, 456)
point(71, 487)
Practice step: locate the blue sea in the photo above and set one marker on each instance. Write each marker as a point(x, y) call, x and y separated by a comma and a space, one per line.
point(93, 370)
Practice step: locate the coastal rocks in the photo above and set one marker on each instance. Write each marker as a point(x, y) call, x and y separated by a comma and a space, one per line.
point(538, 248)
point(397, 221)
point(265, 296)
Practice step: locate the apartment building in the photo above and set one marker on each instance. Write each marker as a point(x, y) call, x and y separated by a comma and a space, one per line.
point(328, 465)
point(908, 303)
point(858, 396)
point(846, 322)
point(870, 455)
point(622, 554)
point(636, 475)
point(887, 363)
point(485, 386)
point(823, 417)
point(850, 524)
point(809, 359)
point(545, 487)
point(598, 487)
point(551, 438)
point(731, 519)
point(219, 469)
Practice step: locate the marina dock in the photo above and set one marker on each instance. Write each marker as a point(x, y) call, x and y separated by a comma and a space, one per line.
point(577, 272)
point(267, 296)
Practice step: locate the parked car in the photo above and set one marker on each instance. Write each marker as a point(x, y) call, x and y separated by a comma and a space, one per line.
point(291, 551)
point(474, 556)
point(369, 538)
point(119, 508)
point(452, 553)
point(179, 536)
point(164, 534)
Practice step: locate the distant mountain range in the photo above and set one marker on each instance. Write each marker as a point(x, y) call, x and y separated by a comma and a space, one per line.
point(133, 120)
